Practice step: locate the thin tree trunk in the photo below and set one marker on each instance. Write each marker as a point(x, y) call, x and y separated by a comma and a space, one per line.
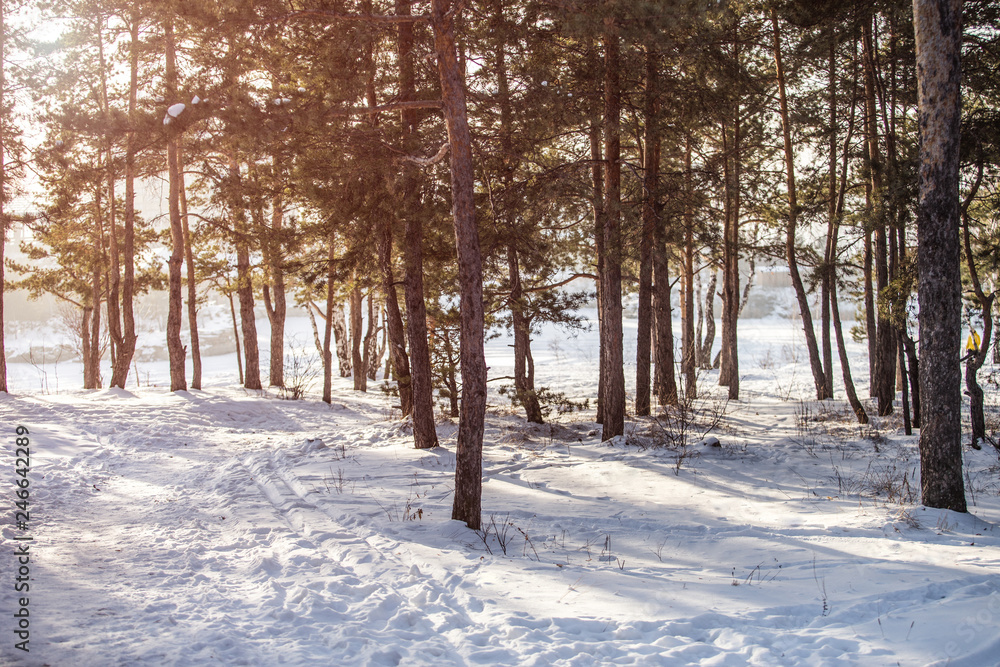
point(651, 178)
point(358, 371)
point(126, 350)
point(884, 389)
point(328, 326)
point(689, 355)
point(524, 389)
point(366, 355)
point(815, 362)
point(828, 274)
point(192, 288)
point(394, 320)
point(977, 357)
point(845, 361)
point(611, 283)
point(709, 341)
point(236, 334)
point(112, 261)
point(665, 381)
point(597, 197)
point(467, 505)
point(938, 31)
point(175, 348)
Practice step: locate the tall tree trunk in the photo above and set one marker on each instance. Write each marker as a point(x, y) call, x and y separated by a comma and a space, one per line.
point(328, 326)
point(708, 342)
point(358, 370)
point(611, 282)
point(175, 348)
point(524, 387)
point(729, 372)
point(689, 355)
point(884, 388)
point(113, 259)
point(815, 362)
point(597, 198)
point(467, 505)
point(424, 429)
point(126, 350)
point(829, 260)
point(651, 177)
point(938, 31)
point(192, 286)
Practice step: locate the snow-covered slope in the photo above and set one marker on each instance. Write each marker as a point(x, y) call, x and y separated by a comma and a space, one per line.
point(221, 527)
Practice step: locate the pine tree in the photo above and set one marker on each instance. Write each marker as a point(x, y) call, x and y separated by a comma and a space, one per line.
point(938, 28)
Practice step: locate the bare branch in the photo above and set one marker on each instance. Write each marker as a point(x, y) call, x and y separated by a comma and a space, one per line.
point(428, 161)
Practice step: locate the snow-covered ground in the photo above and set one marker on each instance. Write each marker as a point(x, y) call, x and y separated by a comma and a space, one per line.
point(227, 527)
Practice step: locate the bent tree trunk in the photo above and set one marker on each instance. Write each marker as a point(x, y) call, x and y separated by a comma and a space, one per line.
point(815, 362)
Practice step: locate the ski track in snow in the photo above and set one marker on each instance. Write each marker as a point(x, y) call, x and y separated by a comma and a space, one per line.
point(216, 527)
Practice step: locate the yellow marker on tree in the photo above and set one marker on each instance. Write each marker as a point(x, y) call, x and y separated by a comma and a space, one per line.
point(973, 344)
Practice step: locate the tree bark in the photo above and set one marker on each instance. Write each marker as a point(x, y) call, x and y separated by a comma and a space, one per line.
point(248, 321)
point(126, 350)
point(884, 375)
point(467, 505)
point(665, 382)
point(611, 282)
point(709, 311)
point(192, 285)
point(112, 261)
point(341, 339)
point(275, 299)
point(689, 356)
point(328, 325)
point(976, 358)
point(424, 429)
point(815, 362)
point(358, 370)
point(394, 320)
point(236, 335)
point(938, 31)
point(175, 348)
point(650, 186)
point(597, 197)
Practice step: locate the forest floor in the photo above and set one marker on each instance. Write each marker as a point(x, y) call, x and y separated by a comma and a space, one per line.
point(233, 527)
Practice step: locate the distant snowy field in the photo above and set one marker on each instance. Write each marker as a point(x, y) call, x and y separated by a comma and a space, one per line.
point(230, 527)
